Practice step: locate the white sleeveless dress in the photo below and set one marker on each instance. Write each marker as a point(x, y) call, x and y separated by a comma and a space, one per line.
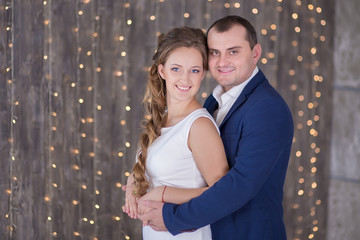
point(171, 163)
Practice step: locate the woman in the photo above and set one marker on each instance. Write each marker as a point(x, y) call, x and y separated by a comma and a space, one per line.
point(181, 153)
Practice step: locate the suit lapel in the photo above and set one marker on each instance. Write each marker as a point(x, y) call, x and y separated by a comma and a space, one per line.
point(248, 90)
point(211, 104)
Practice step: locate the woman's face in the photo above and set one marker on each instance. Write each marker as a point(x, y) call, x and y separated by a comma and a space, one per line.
point(183, 72)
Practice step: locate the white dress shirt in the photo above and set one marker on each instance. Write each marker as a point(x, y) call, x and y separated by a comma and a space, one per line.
point(227, 99)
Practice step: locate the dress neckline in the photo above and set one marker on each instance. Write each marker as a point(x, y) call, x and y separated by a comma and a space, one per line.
point(182, 120)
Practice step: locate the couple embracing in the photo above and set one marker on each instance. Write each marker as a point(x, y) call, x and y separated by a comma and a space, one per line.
point(215, 171)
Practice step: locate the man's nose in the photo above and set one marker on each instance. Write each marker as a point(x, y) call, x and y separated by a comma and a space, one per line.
point(222, 60)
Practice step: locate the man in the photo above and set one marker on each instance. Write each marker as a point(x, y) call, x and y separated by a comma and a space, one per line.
point(257, 131)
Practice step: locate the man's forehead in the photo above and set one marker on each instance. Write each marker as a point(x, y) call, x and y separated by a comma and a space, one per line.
point(226, 41)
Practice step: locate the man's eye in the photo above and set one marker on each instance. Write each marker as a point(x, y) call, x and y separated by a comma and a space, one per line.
point(214, 53)
point(233, 52)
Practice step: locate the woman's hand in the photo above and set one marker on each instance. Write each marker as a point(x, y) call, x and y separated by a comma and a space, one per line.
point(130, 206)
point(155, 195)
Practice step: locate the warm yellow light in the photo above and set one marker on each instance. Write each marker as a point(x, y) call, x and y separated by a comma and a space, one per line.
point(313, 50)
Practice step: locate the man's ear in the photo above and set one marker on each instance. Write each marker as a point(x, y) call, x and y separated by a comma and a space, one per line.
point(257, 52)
point(161, 71)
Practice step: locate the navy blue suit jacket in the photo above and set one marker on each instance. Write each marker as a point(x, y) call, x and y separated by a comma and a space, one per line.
point(246, 203)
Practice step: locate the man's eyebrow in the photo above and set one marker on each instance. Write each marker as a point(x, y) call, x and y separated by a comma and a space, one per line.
point(231, 48)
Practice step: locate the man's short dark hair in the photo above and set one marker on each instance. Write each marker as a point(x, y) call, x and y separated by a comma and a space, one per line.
point(224, 24)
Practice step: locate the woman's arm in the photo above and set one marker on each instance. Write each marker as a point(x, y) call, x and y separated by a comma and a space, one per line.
point(205, 143)
point(173, 194)
point(208, 150)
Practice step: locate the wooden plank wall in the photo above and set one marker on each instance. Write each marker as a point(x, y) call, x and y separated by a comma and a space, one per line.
point(73, 74)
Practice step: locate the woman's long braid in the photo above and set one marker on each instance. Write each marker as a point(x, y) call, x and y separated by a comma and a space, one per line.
point(154, 103)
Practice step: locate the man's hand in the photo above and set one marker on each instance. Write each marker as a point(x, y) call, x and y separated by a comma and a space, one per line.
point(153, 218)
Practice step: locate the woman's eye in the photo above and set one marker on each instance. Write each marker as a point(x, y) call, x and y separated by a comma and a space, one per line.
point(195, 71)
point(175, 69)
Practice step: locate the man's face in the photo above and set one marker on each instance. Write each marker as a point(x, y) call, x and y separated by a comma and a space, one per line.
point(231, 60)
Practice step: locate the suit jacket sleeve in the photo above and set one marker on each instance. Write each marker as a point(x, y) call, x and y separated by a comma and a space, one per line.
point(266, 132)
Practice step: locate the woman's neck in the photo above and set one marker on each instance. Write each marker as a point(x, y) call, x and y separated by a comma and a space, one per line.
point(178, 111)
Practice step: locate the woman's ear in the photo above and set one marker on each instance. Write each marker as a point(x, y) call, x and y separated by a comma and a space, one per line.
point(161, 71)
